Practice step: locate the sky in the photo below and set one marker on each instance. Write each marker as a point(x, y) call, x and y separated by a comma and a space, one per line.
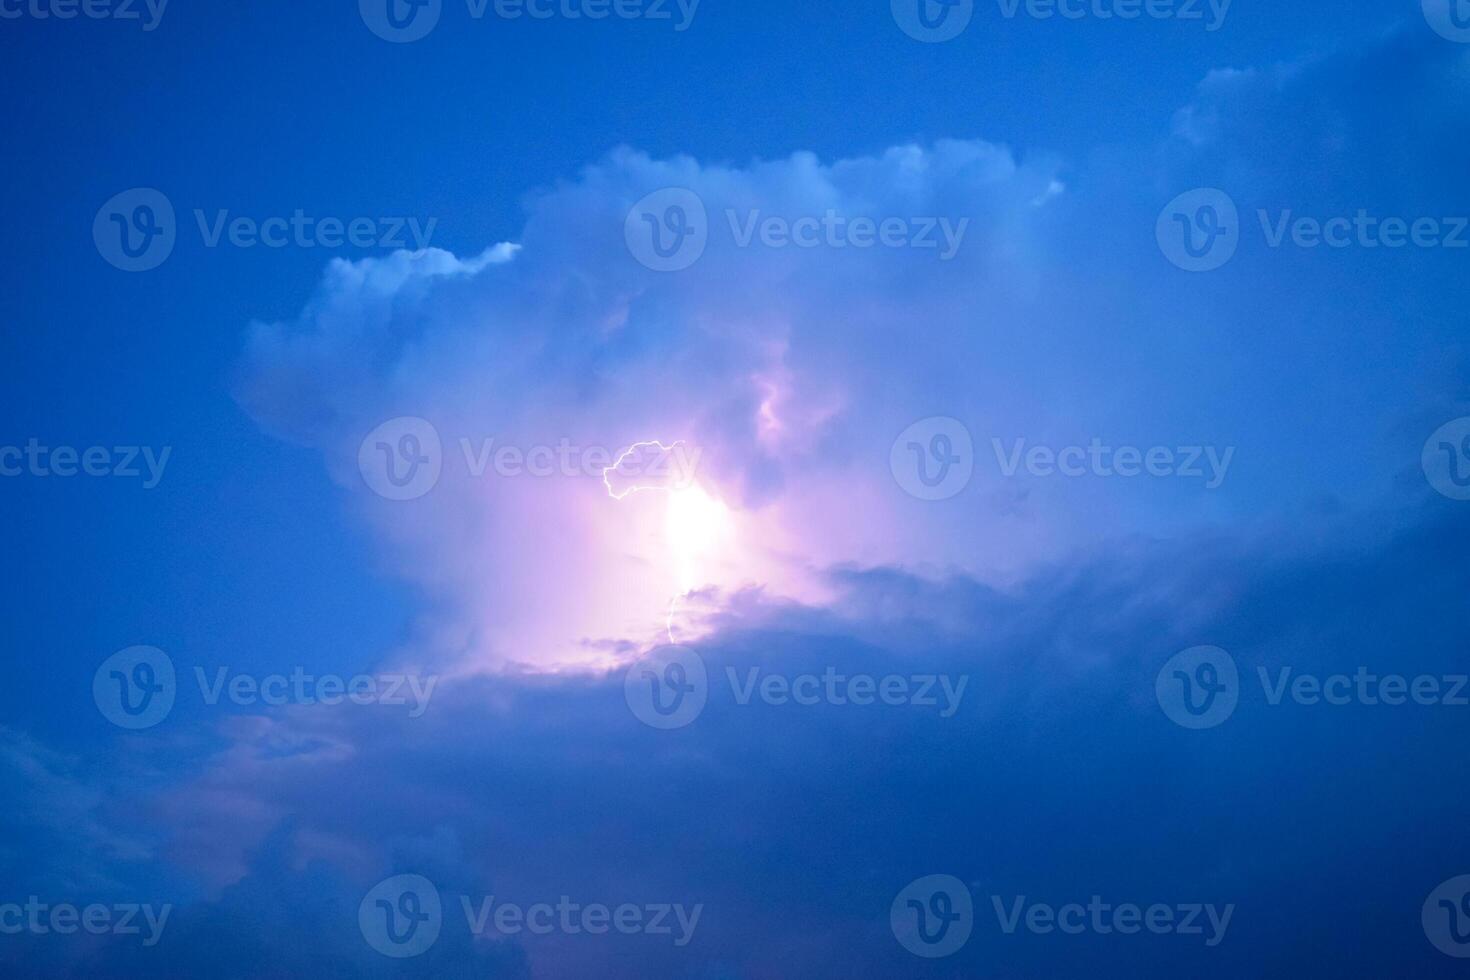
point(734, 490)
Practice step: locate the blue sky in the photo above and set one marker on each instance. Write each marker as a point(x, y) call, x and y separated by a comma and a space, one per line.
point(1325, 539)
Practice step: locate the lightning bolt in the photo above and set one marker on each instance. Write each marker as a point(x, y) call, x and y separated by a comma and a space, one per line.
point(619, 462)
point(674, 601)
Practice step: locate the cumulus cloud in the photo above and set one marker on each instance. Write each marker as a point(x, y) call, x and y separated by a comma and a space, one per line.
point(787, 371)
point(790, 370)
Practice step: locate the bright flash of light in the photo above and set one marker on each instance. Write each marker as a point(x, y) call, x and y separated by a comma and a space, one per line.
point(697, 526)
